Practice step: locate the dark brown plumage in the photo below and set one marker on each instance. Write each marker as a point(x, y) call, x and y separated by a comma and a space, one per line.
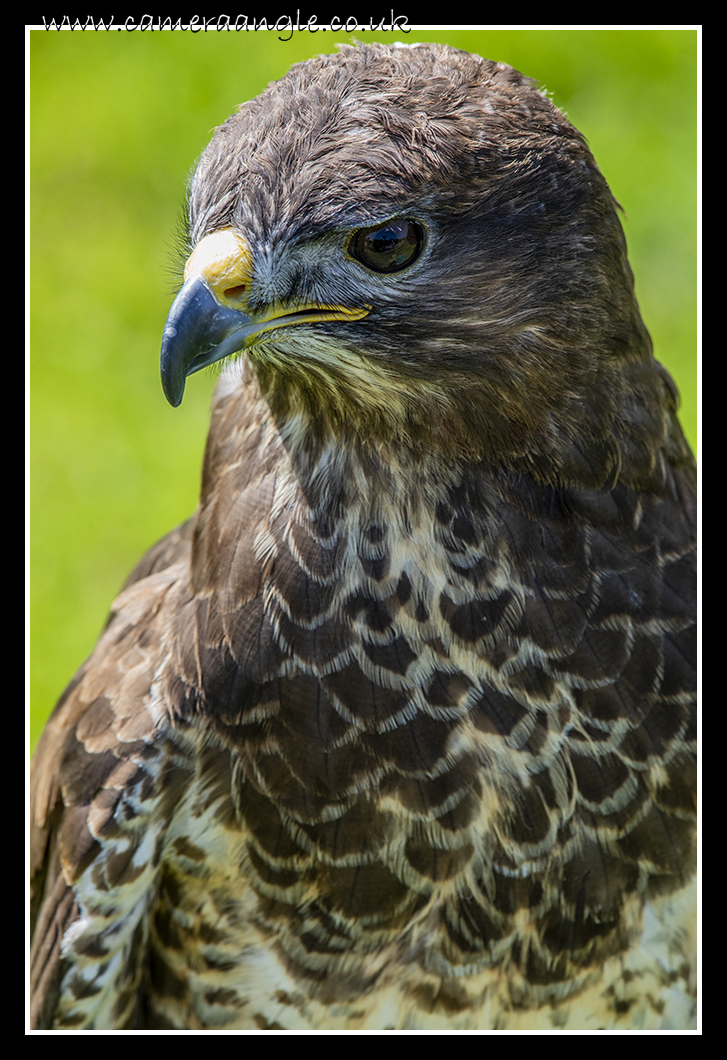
point(398, 730)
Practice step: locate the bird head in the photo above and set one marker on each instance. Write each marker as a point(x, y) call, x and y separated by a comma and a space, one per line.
point(412, 245)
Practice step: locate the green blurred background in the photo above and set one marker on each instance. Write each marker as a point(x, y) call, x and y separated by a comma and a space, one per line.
point(116, 123)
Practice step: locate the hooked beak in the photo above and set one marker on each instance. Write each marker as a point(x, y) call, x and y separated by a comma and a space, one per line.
point(208, 320)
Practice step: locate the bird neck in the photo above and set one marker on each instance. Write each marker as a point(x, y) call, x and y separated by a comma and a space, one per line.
point(319, 491)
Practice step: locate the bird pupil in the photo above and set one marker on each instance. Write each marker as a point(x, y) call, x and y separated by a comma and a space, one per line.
point(388, 239)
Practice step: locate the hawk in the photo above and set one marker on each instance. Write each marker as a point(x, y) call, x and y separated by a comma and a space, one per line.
point(397, 731)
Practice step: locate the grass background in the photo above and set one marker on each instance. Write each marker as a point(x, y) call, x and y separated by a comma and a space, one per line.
point(116, 123)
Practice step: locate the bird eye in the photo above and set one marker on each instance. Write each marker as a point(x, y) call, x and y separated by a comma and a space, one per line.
point(389, 247)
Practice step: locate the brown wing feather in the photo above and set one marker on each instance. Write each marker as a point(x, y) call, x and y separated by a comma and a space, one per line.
point(96, 744)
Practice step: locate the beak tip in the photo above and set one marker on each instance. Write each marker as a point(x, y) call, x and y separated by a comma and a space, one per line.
point(172, 384)
point(174, 400)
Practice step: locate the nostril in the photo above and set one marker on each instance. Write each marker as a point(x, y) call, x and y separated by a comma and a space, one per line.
point(235, 293)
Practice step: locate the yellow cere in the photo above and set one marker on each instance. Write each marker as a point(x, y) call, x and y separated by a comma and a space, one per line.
point(224, 261)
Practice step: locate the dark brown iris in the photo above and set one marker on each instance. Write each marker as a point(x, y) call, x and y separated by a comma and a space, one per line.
point(389, 247)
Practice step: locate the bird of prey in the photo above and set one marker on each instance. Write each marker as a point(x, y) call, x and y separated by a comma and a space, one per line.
point(397, 731)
